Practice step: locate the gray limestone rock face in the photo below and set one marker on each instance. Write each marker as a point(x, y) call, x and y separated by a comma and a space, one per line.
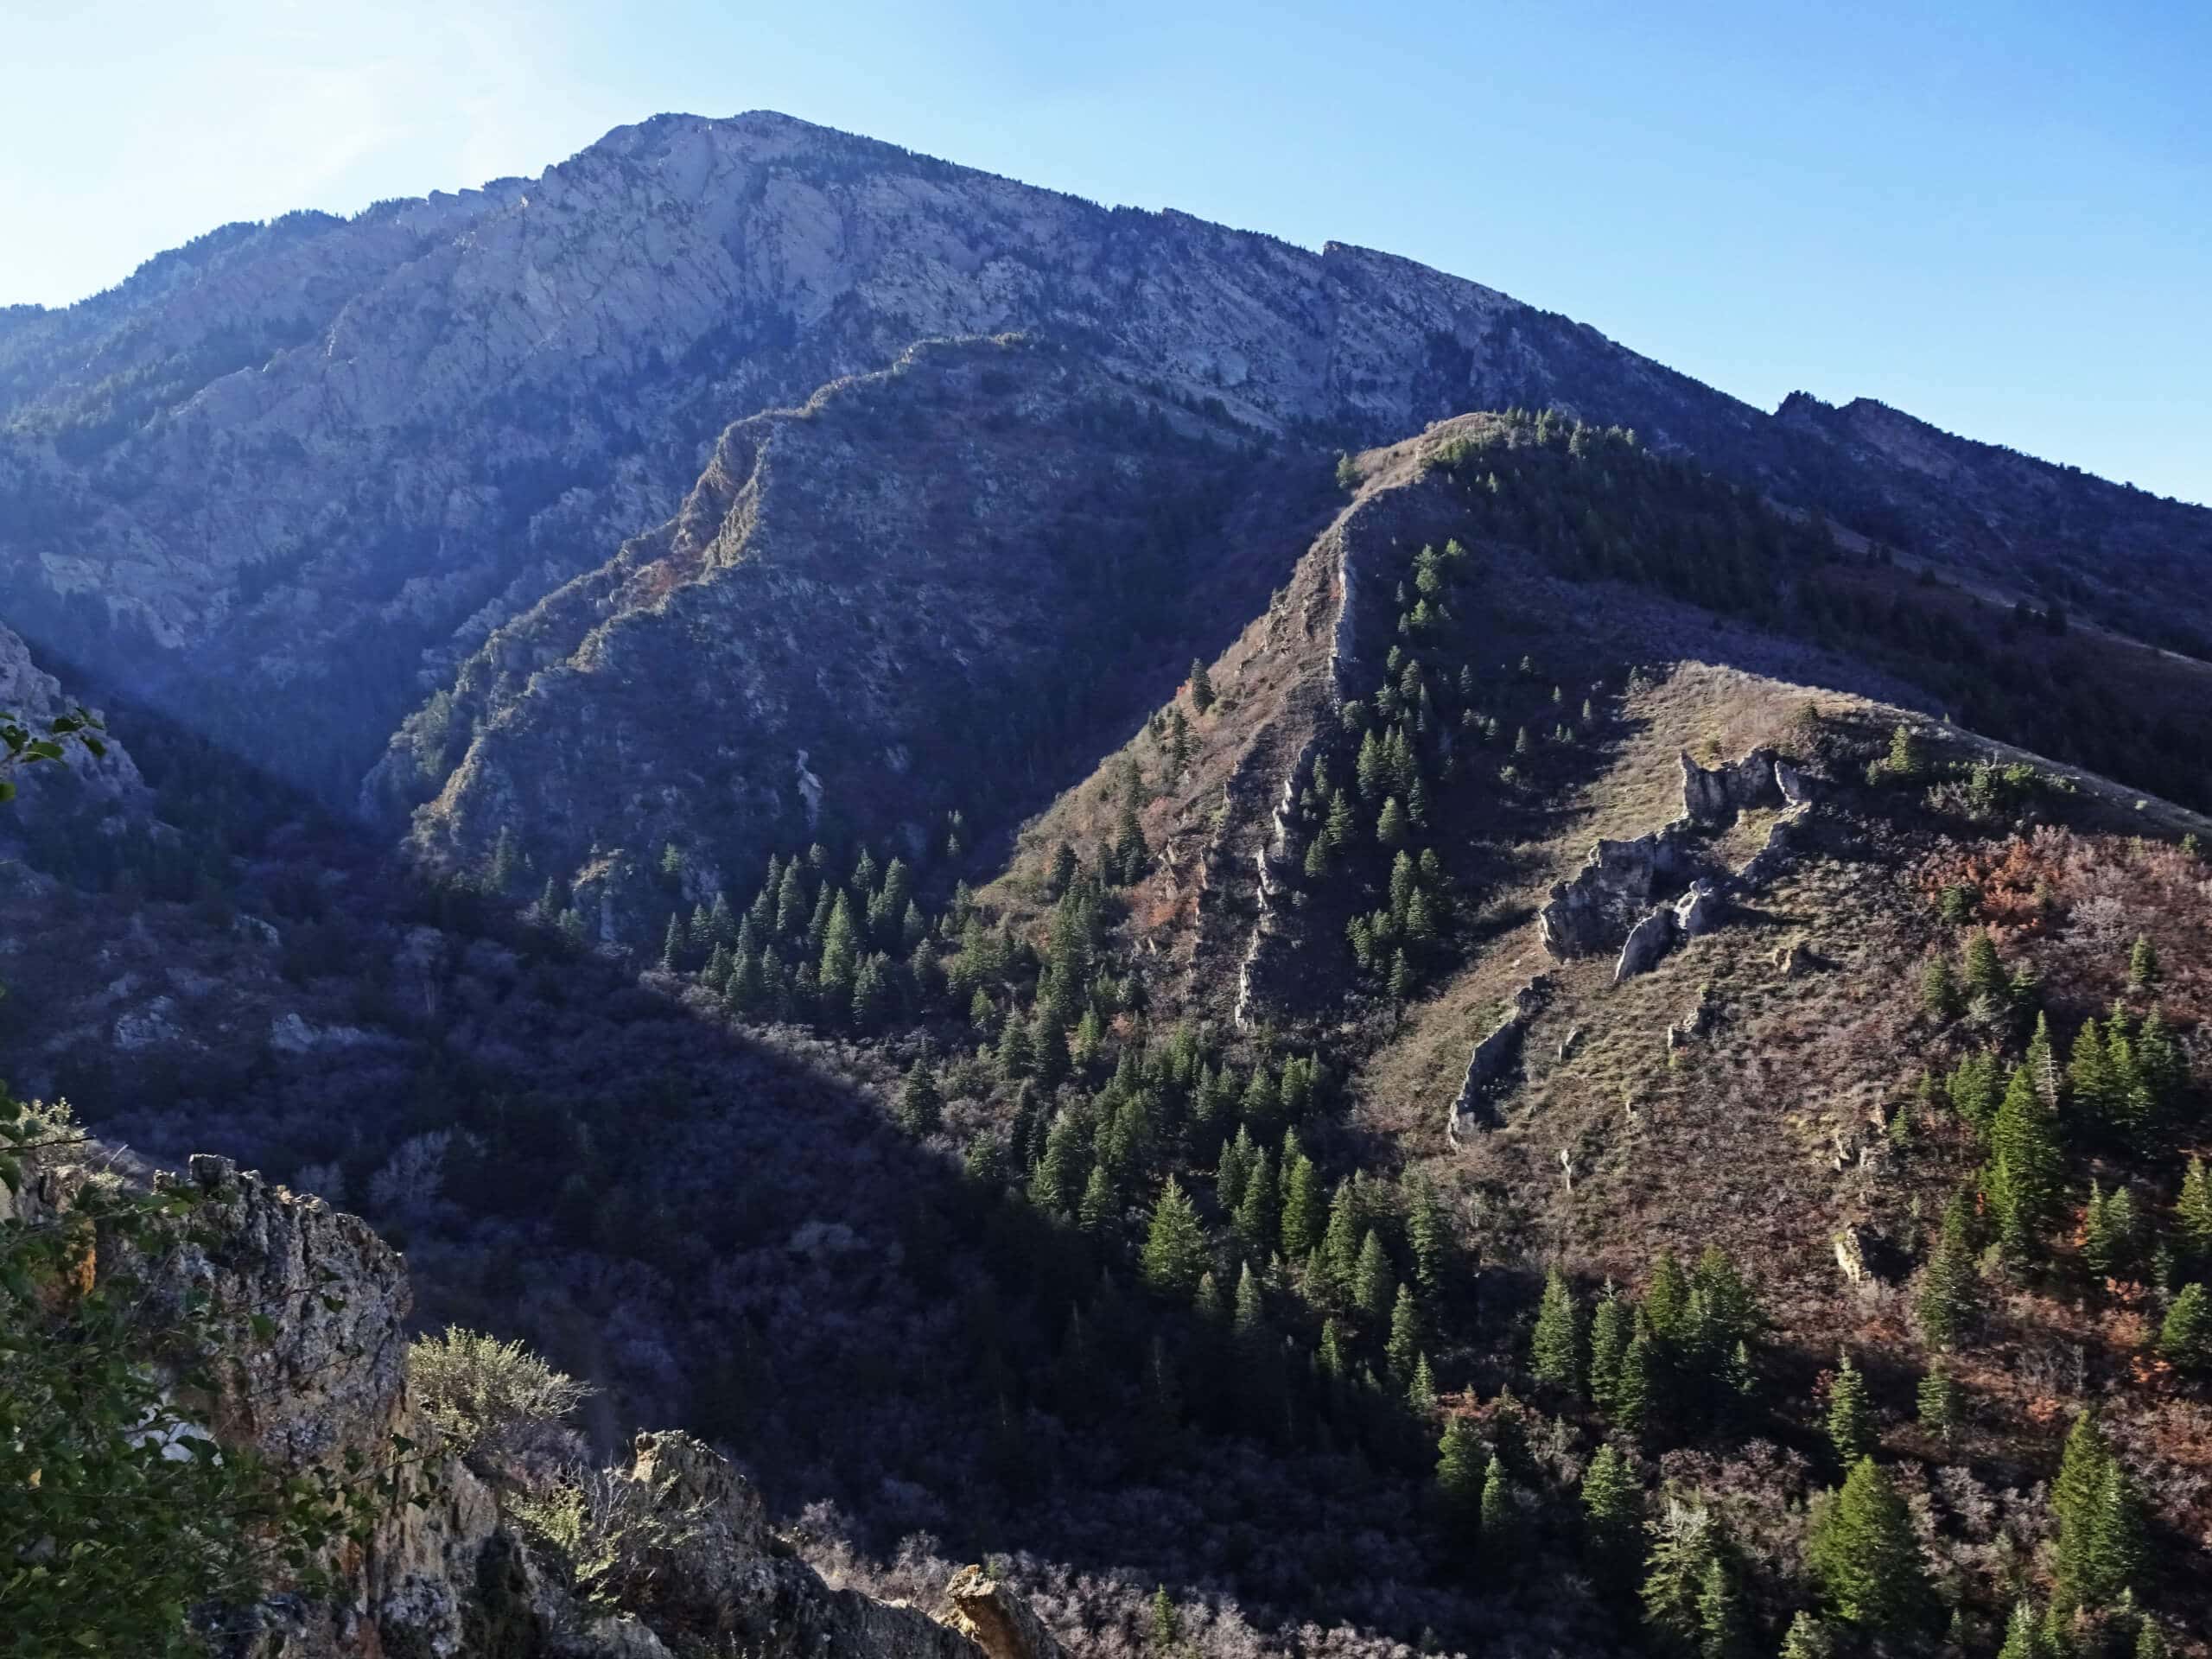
point(1647, 941)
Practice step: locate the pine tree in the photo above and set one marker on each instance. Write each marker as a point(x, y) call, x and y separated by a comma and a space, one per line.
point(1342, 825)
point(1403, 1352)
point(1851, 1415)
point(1722, 1632)
point(1249, 1319)
point(674, 946)
point(1428, 1237)
point(1057, 1182)
point(1401, 977)
point(1938, 1400)
point(1340, 1244)
point(1556, 1353)
point(1390, 827)
point(1304, 1215)
point(2108, 1232)
point(1634, 1383)
point(1985, 971)
point(1329, 1357)
point(2150, 1642)
point(1611, 1514)
point(840, 952)
point(1946, 1285)
point(2024, 1634)
point(2041, 1064)
point(1863, 1551)
point(2088, 1074)
point(1420, 1393)
point(2193, 1213)
point(1501, 1532)
point(2186, 1334)
point(1015, 1058)
point(1459, 1473)
point(507, 861)
point(1175, 1246)
point(1254, 1217)
point(920, 1106)
point(1164, 1624)
point(2144, 972)
point(1202, 696)
point(1100, 1212)
point(1683, 1544)
point(1610, 1331)
point(2023, 1136)
point(2099, 1532)
point(1939, 990)
point(1808, 1638)
point(1374, 1286)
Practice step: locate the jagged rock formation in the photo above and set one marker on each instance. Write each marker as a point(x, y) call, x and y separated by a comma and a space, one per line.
point(1582, 917)
point(1497, 1051)
point(32, 694)
point(324, 1376)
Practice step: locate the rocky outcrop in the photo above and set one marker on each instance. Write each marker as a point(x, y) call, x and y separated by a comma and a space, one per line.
point(1585, 916)
point(1715, 795)
point(1493, 1055)
point(1616, 885)
point(317, 1379)
point(36, 697)
point(996, 1620)
point(1647, 941)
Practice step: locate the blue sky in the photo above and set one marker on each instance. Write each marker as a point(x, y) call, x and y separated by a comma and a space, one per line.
point(1999, 218)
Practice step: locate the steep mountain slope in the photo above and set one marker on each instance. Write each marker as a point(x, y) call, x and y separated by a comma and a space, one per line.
point(872, 613)
point(288, 476)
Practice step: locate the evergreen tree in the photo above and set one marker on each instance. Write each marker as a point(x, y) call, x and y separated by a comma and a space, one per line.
point(920, 1106)
point(2024, 1634)
point(1329, 1358)
point(1667, 1301)
point(1722, 1632)
point(1401, 977)
point(2089, 1075)
point(1202, 696)
point(1403, 1350)
point(1939, 990)
point(1851, 1415)
point(1304, 1215)
point(1985, 972)
point(2186, 1334)
point(1015, 1058)
point(1863, 1551)
point(507, 861)
point(2099, 1530)
point(1175, 1246)
point(1420, 1393)
point(1459, 1473)
point(2108, 1232)
point(1808, 1637)
point(1938, 1400)
point(1609, 1331)
point(1100, 1212)
point(2023, 1136)
point(1255, 1216)
point(1164, 1624)
point(1250, 1319)
point(1946, 1285)
point(1390, 827)
point(1501, 1532)
point(1375, 1288)
point(2150, 1642)
point(1556, 1353)
point(1428, 1237)
point(1611, 1514)
point(674, 946)
point(1057, 1182)
point(1232, 1169)
point(1683, 1544)
point(840, 952)
point(2144, 972)
point(1634, 1383)
point(1340, 1244)
point(1341, 826)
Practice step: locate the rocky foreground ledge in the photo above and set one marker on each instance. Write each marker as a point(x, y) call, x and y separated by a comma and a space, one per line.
point(324, 1373)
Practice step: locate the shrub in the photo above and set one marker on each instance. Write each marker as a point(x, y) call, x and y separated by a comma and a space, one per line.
point(489, 1399)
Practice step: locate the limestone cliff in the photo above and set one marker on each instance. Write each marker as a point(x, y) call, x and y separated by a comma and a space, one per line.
point(444, 1571)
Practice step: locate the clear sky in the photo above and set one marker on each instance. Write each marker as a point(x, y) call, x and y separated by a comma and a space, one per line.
point(2000, 220)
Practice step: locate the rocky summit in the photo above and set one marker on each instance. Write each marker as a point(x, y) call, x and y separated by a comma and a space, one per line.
point(880, 914)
